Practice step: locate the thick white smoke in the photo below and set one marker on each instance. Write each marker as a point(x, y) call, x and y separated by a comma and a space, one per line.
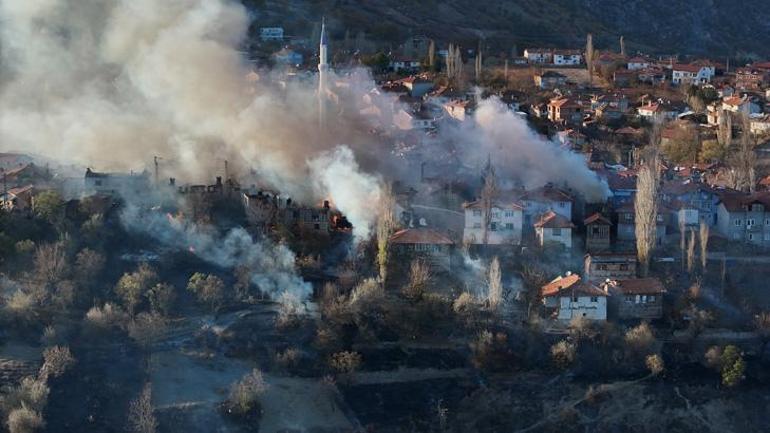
point(353, 192)
point(271, 266)
point(518, 153)
point(111, 83)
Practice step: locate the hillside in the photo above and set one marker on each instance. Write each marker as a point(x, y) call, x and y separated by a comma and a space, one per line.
point(739, 28)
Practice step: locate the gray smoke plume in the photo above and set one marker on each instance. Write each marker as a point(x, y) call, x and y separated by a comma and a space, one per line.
point(518, 153)
point(271, 266)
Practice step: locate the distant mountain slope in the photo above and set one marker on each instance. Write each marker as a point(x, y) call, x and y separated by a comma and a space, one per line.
point(718, 27)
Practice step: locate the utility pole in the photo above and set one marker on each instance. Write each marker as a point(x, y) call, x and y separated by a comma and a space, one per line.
point(227, 175)
point(5, 185)
point(155, 160)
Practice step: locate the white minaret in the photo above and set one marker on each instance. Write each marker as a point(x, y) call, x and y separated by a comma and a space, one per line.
point(323, 67)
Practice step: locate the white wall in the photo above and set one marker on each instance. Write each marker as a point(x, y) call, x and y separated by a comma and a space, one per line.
point(584, 307)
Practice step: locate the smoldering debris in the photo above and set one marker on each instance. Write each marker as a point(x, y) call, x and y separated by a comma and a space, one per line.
point(271, 266)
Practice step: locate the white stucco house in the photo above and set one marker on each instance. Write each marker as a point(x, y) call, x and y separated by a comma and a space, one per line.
point(505, 225)
point(692, 74)
point(569, 297)
point(554, 228)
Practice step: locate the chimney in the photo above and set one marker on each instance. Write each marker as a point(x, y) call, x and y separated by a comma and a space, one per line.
point(171, 181)
point(326, 204)
point(219, 180)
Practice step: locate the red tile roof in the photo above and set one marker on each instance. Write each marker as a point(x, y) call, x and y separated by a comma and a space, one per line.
point(552, 220)
point(636, 286)
point(597, 218)
point(420, 236)
point(546, 193)
point(568, 285)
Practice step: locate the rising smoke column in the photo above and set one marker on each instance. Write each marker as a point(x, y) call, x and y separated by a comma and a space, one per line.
point(518, 153)
point(271, 266)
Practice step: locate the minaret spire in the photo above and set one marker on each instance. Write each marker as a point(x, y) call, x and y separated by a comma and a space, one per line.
point(323, 67)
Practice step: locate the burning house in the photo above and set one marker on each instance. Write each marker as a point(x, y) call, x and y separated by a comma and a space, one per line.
point(115, 183)
point(423, 243)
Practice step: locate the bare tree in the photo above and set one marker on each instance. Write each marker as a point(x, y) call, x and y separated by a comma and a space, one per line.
point(432, 55)
point(57, 360)
point(488, 196)
point(419, 280)
point(479, 63)
point(622, 46)
point(495, 282)
point(51, 263)
point(691, 253)
point(450, 66)
point(385, 225)
point(208, 288)
point(141, 417)
point(725, 129)
point(590, 58)
point(744, 161)
point(683, 241)
point(646, 207)
point(704, 243)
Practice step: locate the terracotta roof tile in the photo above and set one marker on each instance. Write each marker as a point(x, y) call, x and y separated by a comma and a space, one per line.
point(420, 236)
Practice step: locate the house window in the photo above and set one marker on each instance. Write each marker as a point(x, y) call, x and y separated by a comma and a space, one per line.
point(493, 227)
point(628, 217)
point(509, 226)
point(556, 232)
point(751, 236)
point(477, 212)
point(738, 223)
point(767, 221)
point(594, 299)
point(509, 214)
point(651, 298)
point(624, 267)
point(574, 299)
point(562, 204)
point(750, 222)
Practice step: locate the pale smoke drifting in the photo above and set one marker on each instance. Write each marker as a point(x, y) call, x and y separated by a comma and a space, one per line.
point(271, 266)
point(353, 192)
point(519, 153)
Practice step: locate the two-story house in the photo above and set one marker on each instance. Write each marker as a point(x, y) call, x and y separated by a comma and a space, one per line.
point(635, 298)
point(569, 297)
point(541, 200)
point(567, 57)
point(505, 225)
point(597, 232)
point(696, 194)
point(599, 266)
point(538, 55)
point(637, 63)
point(745, 217)
point(627, 224)
point(423, 243)
point(550, 80)
point(692, 74)
point(552, 228)
point(565, 110)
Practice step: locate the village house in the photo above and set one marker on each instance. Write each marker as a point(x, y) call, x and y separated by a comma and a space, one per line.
point(460, 110)
point(622, 185)
point(565, 110)
point(271, 33)
point(567, 57)
point(569, 297)
point(572, 139)
point(288, 57)
point(261, 208)
point(19, 199)
point(760, 124)
point(505, 225)
point(597, 232)
point(635, 298)
point(657, 111)
point(538, 55)
point(311, 219)
point(637, 63)
point(420, 119)
point(552, 228)
point(651, 75)
point(425, 244)
point(683, 214)
point(692, 74)
point(699, 196)
point(598, 266)
point(740, 105)
point(627, 225)
point(550, 80)
point(541, 200)
point(417, 86)
point(624, 78)
point(750, 78)
point(402, 63)
point(745, 217)
point(115, 183)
